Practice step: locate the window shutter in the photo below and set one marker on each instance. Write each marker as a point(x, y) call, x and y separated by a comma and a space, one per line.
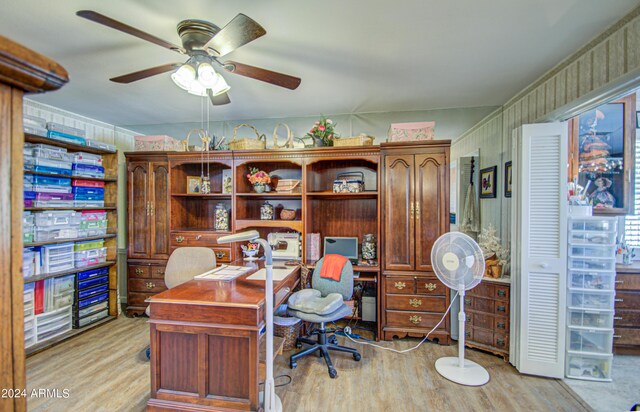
point(632, 223)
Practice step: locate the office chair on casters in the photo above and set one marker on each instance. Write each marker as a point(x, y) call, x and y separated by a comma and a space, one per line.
point(324, 302)
point(183, 265)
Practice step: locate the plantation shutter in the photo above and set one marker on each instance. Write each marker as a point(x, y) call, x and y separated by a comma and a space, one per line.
point(539, 239)
point(632, 223)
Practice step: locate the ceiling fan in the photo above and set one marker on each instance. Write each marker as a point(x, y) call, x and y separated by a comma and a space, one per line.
point(205, 44)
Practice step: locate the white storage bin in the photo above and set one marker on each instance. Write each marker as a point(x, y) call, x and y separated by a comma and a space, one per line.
point(51, 189)
point(592, 280)
point(94, 232)
point(28, 219)
point(62, 300)
point(63, 284)
point(29, 342)
point(582, 237)
point(582, 299)
point(87, 159)
point(56, 258)
point(46, 319)
point(58, 164)
point(93, 318)
point(590, 318)
point(595, 224)
point(89, 215)
point(54, 233)
point(29, 310)
point(57, 218)
point(53, 330)
point(53, 203)
point(90, 257)
point(600, 264)
point(93, 309)
point(29, 324)
point(88, 203)
point(588, 340)
point(592, 251)
point(588, 367)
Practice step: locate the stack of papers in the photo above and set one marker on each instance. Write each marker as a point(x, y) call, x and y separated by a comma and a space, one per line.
point(224, 272)
point(279, 273)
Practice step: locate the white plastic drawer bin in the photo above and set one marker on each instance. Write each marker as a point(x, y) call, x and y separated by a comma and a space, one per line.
point(588, 367)
point(579, 279)
point(590, 318)
point(599, 341)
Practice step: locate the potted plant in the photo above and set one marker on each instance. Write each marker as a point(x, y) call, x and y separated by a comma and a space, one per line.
point(323, 132)
point(259, 179)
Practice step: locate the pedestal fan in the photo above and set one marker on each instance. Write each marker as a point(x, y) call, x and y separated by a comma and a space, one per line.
point(458, 263)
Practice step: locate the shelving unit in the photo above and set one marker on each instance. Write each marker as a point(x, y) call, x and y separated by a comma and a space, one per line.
point(110, 164)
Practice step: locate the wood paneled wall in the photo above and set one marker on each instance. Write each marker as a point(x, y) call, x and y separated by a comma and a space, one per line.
point(605, 60)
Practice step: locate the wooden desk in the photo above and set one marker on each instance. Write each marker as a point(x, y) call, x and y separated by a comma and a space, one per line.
point(205, 343)
point(627, 318)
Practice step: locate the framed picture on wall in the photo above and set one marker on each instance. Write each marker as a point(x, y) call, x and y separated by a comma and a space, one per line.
point(507, 179)
point(488, 182)
point(194, 184)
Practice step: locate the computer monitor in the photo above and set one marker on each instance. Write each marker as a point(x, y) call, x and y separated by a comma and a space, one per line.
point(345, 246)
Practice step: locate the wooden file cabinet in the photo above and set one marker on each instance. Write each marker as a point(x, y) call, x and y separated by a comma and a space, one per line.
point(487, 311)
point(627, 310)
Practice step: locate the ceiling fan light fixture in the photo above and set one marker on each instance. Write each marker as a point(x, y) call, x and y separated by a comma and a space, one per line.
point(207, 75)
point(184, 76)
point(197, 88)
point(221, 86)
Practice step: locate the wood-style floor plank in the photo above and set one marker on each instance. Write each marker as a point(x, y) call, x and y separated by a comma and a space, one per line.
point(105, 370)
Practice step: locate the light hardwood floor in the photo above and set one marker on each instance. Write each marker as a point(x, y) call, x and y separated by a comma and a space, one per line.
point(105, 370)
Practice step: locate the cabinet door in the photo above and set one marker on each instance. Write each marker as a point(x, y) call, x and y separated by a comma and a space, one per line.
point(159, 211)
point(399, 213)
point(431, 204)
point(138, 210)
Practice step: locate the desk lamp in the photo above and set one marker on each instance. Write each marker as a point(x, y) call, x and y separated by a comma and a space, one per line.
point(271, 401)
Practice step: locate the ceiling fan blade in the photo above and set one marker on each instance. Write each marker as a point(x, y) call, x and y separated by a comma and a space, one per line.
point(220, 99)
point(114, 24)
point(238, 32)
point(278, 79)
point(143, 74)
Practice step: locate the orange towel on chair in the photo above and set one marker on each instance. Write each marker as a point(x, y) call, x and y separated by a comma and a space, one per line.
point(332, 266)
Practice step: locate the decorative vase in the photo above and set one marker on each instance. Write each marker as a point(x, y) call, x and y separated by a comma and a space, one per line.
point(259, 187)
point(626, 258)
point(205, 187)
point(369, 247)
point(222, 218)
point(266, 211)
point(317, 142)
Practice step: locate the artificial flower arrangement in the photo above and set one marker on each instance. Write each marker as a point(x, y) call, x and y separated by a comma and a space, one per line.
point(258, 177)
point(324, 130)
point(627, 252)
point(496, 256)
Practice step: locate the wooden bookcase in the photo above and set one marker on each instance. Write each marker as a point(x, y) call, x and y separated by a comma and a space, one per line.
point(110, 164)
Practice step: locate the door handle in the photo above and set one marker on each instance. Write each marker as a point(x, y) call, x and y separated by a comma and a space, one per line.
point(139, 271)
point(417, 210)
point(430, 286)
point(152, 207)
point(148, 208)
point(198, 237)
point(150, 285)
point(400, 285)
point(220, 255)
point(544, 265)
point(412, 209)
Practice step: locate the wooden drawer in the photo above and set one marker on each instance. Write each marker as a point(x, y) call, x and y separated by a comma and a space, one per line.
point(501, 324)
point(481, 320)
point(486, 305)
point(413, 319)
point(501, 341)
point(138, 299)
point(627, 281)
point(157, 272)
point(484, 290)
point(479, 335)
point(181, 239)
point(501, 292)
point(628, 318)
point(152, 286)
point(501, 308)
point(139, 271)
point(399, 284)
point(430, 286)
point(416, 303)
point(627, 300)
point(223, 255)
point(627, 337)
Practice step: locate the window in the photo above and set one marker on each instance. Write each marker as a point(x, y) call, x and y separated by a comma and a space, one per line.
point(632, 223)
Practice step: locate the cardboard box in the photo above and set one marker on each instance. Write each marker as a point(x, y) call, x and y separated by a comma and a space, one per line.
point(407, 132)
point(157, 143)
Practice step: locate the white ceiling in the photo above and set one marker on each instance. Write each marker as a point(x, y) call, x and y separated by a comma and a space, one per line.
point(353, 56)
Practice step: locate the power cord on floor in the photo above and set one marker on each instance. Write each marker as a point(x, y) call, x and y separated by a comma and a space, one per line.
point(290, 379)
point(347, 333)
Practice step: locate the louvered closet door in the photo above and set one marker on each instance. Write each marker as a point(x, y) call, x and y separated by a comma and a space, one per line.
point(399, 209)
point(540, 240)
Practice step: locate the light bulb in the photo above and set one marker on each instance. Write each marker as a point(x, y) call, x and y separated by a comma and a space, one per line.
point(220, 86)
point(184, 76)
point(197, 88)
point(206, 75)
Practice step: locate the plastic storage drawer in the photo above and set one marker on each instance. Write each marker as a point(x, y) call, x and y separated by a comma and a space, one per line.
point(591, 280)
point(62, 300)
point(90, 244)
point(81, 304)
point(94, 232)
point(52, 324)
point(51, 152)
point(87, 159)
point(590, 318)
point(93, 197)
point(86, 191)
point(589, 367)
point(54, 164)
point(593, 225)
point(592, 251)
point(56, 258)
point(79, 323)
point(94, 224)
point(57, 218)
point(53, 200)
point(90, 310)
point(581, 299)
point(598, 341)
point(87, 293)
point(90, 257)
point(87, 183)
point(54, 233)
point(87, 171)
point(51, 189)
point(63, 284)
point(89, 215)
point(89, 283)
point(91, 274)
point(100, 145)
point(605, 264)
point(89, 203)
point(592, 238)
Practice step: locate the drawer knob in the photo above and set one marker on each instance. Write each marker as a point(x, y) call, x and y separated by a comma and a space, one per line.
point(139, 271)
point(467, 301)
point(502, 308)
point(500, 342)
point(198, 237)
point(617, 336)
point(400, 285)
point(179, 239)
point(501, 325)
point(161, 272)
point(220, 255)
point(619, 300)
point(468, 318)
point(415, 302)
point(430, 286)
point(617, 318)
point(415, 319)
point(502, 293)
point(467, 334)
point(150, 285)
point(619, 282)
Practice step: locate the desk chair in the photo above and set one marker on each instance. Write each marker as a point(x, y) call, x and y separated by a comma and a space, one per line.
point(183, 265)
point(324, 302)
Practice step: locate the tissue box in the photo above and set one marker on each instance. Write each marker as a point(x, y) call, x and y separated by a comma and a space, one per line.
point(157, 143)
point(407, 132)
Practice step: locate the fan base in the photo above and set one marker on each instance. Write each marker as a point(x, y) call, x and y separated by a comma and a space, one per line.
point(278, 402)
point(471, 375)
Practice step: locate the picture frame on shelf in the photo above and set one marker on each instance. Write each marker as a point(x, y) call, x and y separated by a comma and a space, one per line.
point(507, 178)
point(227, 181)
point(488, 182)
point(194, 184)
